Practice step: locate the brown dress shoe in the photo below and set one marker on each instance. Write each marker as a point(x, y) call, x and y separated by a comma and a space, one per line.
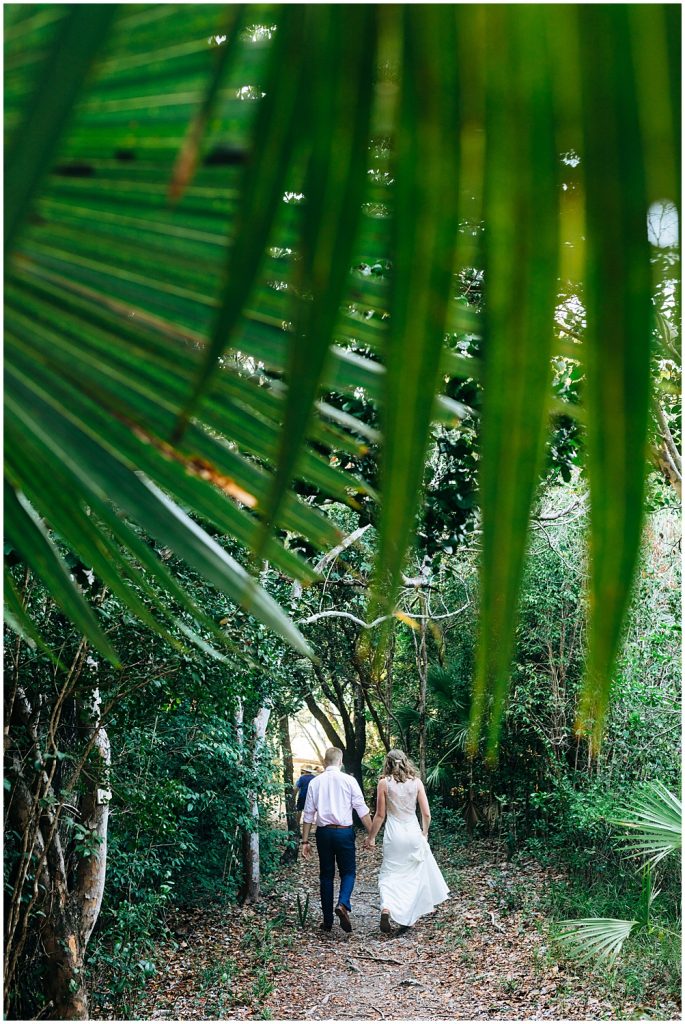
point(385, 922)
point(345, 922)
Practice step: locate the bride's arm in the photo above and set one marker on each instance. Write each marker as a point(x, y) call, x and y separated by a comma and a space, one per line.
point(379, 816)
point(425, 809)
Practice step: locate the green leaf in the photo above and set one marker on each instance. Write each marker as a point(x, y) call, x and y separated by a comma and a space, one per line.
point(426, 206)
point(75, 525)
point(100, 467)
point(75, 42)
point(16, 615)
point(26, 532)
point(186, 162)
point(521, 257)
point(595, 938)
point(617, 345)
point(336, 107)
point(264, 187)
point(656, 821)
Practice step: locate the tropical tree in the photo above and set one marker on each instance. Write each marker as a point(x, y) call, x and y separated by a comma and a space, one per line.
point(189, 191)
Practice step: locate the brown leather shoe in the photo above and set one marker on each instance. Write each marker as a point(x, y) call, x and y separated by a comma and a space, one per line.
point(385, 922)
point(345, 922)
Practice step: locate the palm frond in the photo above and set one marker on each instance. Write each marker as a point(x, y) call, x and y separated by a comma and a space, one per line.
point(655, 820)
point(595, 938)
point(184, 278)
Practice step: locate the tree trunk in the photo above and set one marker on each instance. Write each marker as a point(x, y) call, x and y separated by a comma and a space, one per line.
point(422, 671)
point(389, 664)
point(90, 873)
point(290, 852)
point(66, 887)
point(65, 981)
point(250, 843)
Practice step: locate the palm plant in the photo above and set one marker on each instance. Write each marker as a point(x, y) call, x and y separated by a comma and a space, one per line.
point(187, 194)
point(656, 822)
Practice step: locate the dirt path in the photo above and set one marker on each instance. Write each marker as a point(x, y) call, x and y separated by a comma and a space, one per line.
point(483, 954)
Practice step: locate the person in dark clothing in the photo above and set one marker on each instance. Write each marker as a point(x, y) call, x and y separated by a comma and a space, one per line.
point(301, 787)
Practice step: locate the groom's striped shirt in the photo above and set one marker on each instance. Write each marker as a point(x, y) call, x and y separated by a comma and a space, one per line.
point(332, 797)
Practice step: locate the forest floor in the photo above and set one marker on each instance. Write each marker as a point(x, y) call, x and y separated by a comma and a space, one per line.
point(484, 954)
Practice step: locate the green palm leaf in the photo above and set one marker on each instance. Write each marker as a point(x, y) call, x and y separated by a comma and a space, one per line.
point(655, 820)
point(265, 179)
point(521, 255)
point(130, 316)
point(74, 46)
point(595, 938)
point(426, 203)
point(26, 532)
point(337, 111)
point(618, 336)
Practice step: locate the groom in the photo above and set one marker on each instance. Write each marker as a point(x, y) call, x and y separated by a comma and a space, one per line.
point(331, 797)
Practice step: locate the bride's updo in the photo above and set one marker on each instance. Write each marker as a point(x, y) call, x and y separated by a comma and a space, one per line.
point(398, 766)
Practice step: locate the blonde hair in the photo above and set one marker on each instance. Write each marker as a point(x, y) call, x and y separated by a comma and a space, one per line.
point(398, 766)
point(333, 756)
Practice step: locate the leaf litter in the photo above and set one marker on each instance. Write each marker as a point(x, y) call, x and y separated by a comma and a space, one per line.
point(484, 954)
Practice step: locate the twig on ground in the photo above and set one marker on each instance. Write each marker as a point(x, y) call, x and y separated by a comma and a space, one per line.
point(377, 1010)
point(494, 923)
point(378, 959)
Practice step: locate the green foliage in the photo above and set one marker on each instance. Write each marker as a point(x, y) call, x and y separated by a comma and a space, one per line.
point(656, 821)
point(185, 248)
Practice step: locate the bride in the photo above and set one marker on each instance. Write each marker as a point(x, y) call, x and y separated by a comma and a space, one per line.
point(410, 881)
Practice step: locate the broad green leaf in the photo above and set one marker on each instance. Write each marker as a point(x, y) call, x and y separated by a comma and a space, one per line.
point(186, 161)
point(16, 615)
point(655, 31)
point(76, 527)
point(100, 466)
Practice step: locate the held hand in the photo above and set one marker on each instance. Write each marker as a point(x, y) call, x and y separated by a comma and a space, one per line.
point(369, 843)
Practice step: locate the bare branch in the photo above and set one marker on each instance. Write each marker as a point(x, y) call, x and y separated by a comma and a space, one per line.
point(342, 615)
point(668, 439)
point(383, 618)
point(331, 555)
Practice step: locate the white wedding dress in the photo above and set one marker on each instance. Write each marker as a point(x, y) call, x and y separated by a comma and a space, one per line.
point(410, 881)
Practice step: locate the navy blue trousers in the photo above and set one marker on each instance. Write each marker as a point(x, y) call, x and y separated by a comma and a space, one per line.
point(336, 844)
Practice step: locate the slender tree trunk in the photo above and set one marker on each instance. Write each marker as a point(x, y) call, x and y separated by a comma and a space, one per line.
point(90, 873)
point(251, 866)
point(66, 887)
point(389, 664)
point(422, 671)
point(290, 852)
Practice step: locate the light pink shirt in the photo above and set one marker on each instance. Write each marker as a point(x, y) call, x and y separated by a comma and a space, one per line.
point(331, 797)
